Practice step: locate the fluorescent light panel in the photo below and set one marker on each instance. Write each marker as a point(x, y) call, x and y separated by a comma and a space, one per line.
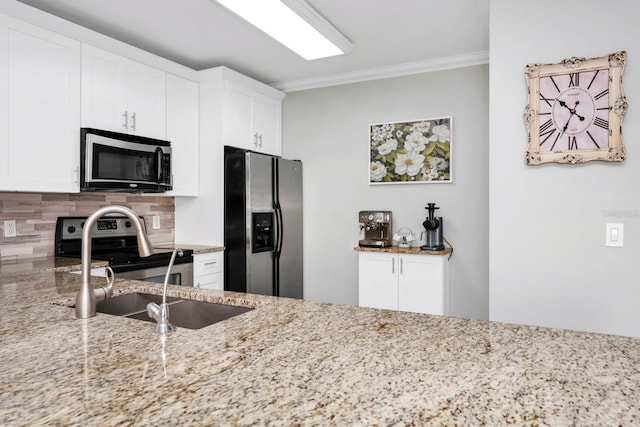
point(294, 24)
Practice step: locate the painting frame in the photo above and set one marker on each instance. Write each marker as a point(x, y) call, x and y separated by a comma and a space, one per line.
point(411, 151)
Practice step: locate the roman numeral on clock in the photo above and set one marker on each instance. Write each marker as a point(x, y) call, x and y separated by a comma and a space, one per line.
point(574, 79)
point(593, 139)
point(547, 100)
point(594, 77)
point(604, 124)
point(545, 126)
point(601, 94)
point(573, 143)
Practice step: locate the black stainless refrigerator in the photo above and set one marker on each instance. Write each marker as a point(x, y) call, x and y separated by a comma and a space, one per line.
point(262, 224)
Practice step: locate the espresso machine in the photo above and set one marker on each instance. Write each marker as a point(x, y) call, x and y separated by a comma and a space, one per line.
point(433, 230)
point(377, 228)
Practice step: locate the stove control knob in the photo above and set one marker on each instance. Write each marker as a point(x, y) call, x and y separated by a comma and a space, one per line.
point(82, 224)
point(127, 224)
point(370, 217)
point(71, 229)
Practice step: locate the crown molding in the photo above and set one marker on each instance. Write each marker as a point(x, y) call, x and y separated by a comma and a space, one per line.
point(417, 67)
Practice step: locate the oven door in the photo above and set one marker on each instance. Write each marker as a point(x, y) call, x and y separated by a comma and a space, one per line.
point(181, 274)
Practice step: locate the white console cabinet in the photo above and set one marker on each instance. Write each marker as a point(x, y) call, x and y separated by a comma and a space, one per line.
point(401, 281)
point(208, 270)
point(39, 109)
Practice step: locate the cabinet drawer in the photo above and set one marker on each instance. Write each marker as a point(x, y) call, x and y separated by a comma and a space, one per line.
point(210, 281)
point(207, 263)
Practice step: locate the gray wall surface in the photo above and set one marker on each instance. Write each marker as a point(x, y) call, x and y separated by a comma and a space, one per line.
point(549, 264)
point(328, 129)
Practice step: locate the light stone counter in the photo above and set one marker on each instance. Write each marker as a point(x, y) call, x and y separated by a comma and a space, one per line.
point(293, 362)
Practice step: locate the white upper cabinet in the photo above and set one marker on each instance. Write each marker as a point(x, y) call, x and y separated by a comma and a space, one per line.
point(182, 132)
point(39, 109)
point(122, 95)
point(254, 121)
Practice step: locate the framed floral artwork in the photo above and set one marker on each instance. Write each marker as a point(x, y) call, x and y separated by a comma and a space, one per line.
point(410, 152)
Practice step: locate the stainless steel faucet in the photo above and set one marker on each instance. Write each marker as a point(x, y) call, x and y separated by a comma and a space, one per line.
point(160, 313)
point(88, 297)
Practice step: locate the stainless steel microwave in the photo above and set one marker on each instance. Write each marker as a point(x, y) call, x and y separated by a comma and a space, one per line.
point(112, 161)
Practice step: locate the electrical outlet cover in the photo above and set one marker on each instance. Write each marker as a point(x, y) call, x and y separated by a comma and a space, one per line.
point(10, 228)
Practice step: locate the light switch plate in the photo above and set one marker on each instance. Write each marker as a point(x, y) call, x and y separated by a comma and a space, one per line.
point(615, 235)
point(156, 222)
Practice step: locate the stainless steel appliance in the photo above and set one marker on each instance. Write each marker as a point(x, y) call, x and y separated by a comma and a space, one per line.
point(112, 161)
point(114, 240)
point(262, 224)
point(433, 228)
point(377, 228)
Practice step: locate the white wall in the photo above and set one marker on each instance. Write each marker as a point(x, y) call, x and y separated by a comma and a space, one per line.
point(327, 129)
point(549, 265)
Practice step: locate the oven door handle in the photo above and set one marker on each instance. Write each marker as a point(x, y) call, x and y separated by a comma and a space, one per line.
point(158, 165)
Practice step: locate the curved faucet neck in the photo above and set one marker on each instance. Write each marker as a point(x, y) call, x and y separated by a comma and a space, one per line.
point(87, 297)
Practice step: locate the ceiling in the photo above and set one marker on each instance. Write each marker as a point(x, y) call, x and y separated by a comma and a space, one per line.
point(203, 34)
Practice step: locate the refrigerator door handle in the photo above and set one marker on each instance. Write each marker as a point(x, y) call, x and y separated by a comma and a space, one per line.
point(279, 230)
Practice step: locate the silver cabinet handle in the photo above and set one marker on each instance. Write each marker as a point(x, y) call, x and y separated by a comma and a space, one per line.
point(126, 119)
point(133, 121)
point(400, 265)
point(255, 139)
point(393, 265)
point(211, 263)
point(260, 138)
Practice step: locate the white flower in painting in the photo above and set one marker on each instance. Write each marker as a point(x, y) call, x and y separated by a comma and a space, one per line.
point(378, 171)
point(409, 163)
point(434, 171)
point(441, 133)
point(399, 133)
point(422, 127)
point(439, 163)
point(415, 142)
point(381, 133)
point(389, 146)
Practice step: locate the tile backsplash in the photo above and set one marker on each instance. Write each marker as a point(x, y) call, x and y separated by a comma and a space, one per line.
point(36, 213)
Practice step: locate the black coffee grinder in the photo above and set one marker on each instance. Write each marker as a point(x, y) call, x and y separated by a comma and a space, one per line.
point(433, 227)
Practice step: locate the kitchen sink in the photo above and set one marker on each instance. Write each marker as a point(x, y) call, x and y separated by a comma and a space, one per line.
point(183, 313)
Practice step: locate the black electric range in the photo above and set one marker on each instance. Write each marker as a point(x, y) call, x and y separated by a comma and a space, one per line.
point(113, 239)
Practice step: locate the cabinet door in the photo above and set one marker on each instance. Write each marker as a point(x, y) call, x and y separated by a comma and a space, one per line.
point(239, 118)
point(40, 78)
point(122, 95)
point(422, 284)
point(267, 124)
point(146, 100)
point(254, 121)
point(378, 280)
point(104, 96)
point(208, 270)
point(182, 131)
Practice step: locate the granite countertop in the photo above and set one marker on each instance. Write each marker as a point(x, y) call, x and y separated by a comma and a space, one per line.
point(291, 362)
point(398, 250)
point(200, 249)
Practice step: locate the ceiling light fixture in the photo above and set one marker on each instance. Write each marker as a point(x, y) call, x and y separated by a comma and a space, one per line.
point(293, 23)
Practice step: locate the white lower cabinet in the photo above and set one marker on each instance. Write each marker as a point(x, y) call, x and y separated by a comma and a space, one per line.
point(407, 282)
point(208, 270)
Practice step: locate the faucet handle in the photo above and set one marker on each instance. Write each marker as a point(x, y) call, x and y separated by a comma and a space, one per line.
point(105, 292)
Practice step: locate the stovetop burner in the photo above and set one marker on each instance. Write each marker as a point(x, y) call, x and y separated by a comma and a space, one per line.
point(113, 240)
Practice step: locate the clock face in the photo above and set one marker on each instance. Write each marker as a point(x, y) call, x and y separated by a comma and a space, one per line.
point(574, 111)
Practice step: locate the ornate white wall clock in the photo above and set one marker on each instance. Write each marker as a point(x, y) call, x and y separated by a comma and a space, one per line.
point(575, 110)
